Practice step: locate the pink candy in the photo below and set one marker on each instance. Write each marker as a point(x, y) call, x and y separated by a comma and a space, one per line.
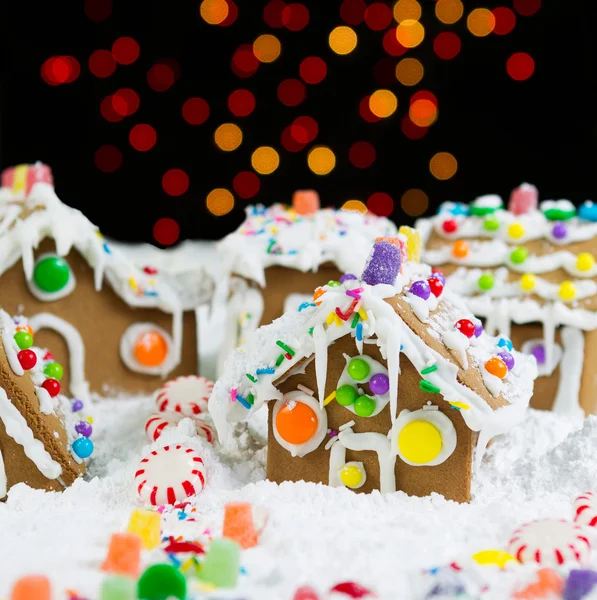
point(23, 177)
point(523, 199)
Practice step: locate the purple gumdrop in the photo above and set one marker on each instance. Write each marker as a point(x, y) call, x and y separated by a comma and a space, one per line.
point(539, 353)
point(579, 584)
point(379, 384)
point(439, 275)
point(478, 327)
point(347, 277)
point(84, 428)
point(383, 264)
point(559, 231)
point(77, 405)
point(507, 358)
point(420, 289)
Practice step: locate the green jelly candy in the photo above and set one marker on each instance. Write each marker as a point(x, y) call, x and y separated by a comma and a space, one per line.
point(358, 369)
point(364, 406)
point(346, 395)
point(559, 214)
point(333, 283)
point(519, 255)
point(23, 339)
point(481, 211)
point(222, 563)
point(51, 274)
point(118, 588)
point(485, 282)
point(162, 582)
point(54, 370)
point(491, 224)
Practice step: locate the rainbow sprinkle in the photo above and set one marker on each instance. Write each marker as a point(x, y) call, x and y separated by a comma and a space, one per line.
point(267, 371)
point(329, 398)
point(284, 347)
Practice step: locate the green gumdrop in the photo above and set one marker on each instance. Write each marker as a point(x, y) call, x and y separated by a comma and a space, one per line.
point(162, 582)
point(23, 339)
point(346, 395)
point(364, 406)
point(491, 224)
point(358, 369)
point(51, 274)
point(558, 214)
point(485, 282)
point(519, 255)
point(54, 370)
point(118, 588)
point(222, 563)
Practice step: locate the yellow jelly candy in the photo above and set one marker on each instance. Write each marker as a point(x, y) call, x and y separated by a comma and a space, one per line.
point(567, 291)
point(351, 476)
point(585, 261)
point(497, 558)
point(527, 282)
point(420, 442)
point(146, 524)
point(516, 230)
point(413, 243)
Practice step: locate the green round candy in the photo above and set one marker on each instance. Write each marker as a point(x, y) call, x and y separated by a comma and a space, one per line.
point(161, 582)
point(346, 395)
point(481, 211)
point(333, 283)
point(23, 339)
point(559, 214)
point(51, 274)
point(358, 369)
point(54, 370)
point(485, 281)
point(364, 406)
point(491, 224)
point(519, 255)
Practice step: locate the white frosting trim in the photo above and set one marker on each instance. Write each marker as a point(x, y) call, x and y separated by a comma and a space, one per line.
point(3, 481)
point(10, 346)
point(571, 366)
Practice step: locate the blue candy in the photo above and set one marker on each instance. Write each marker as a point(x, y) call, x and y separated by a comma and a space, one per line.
point(505, 343)
point(588, 211)
point(83, 447)
point(454, 208)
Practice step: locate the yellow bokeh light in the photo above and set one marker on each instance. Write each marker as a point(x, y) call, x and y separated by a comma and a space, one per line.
point(214, 12)
point(480, 22)
point(449, 11)
point(443, 165)
point(321, 160)
point(267, 48)
point(343, 40)
point(409, 71)
point(407, 9)
point(228, 136)
point(423, 112)
point(265, 160)
point(220, 202)
point(383, 103)
point(410, 33)
point(355, 205)
point(414, 202)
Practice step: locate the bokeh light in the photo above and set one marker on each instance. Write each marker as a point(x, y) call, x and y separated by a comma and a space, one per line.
point(214, 12)
point(102, 63)
point(409, 71)
point(107, 110)
point(343, 40)
point(443, 165)
point(160, 77)
point(228, 137)
point(527, 8)
point(291, 92)
point(289, 142)
point(108, 158)
point(246, 184)
point(383, 103)
point(423, 112)
point(267, 48)
point(380, 204)
point(405, 10)
point(356, 205)
point(143, 137)
point(410, 33)
point(412, 131)
point(265, 160)
point(125, 50)
point(378, 16)
point(232, 14)
point(219, 202)
point(414, 202)
point(98, 10)
point(244, 62)
point(304, 130)
point(166, 231)
point(272, 13)
point(391, 44)
point(195, 111)
point(362, 155)
point(480, 22)
point(321, 160)
point(295, 16)
point(449, 11)
point(365, 111)
point(241, 103)
point(125, 102)
point(352, 12)
point(505, 20)
point(313, 70)
point(447, 45)
point(57, 70)
point(175, 182)
point(520, 66)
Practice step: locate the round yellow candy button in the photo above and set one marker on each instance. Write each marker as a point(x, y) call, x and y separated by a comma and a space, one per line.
point(420, 442)
point(515, 231)
point(351, 476)
point(585, 261)
point(497, 558)
point(527, 282)
point(567, 291)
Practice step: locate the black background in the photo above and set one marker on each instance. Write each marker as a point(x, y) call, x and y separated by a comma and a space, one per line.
point(502, 132)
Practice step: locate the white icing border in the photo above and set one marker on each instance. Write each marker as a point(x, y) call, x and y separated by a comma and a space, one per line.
point(8, 342)
point(567, 398)
point(127, 341)
point(51, 296)
point(545, 369)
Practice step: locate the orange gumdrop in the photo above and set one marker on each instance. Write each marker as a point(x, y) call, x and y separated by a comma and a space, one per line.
point(318, 293)
point(550, 585)
point(124, 555)
point(305, 202)
point(296, 423)
point(32, 586)
point(496, 366)
point(151, 348)
point(238, 524)
point(26, 328)
point(460, 249)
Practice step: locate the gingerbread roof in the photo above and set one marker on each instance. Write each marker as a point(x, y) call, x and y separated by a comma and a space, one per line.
point(279, 236)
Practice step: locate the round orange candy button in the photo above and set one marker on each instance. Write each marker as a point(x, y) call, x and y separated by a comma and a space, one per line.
point(296, 422)
point(496, 366)
point(460, 249)
point(26, 328)
point(151, 348)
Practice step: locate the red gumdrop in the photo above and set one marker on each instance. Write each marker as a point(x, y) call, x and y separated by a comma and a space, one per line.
point(436, 286)
point(449, 226)
point(466, 327)
point(27, 358)
point(52, 386)
point(352, 589)
point(305, 592)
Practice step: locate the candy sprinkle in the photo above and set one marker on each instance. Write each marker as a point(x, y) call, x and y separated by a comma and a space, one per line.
point(251, 378)
point(267, 371)
point(460, 405)
point(360, 332)
point(355, 320)
point(305, 305)
point(243, 401)
point(279, 360)
point(329, 398)
point(428, 387)
point(428, 370)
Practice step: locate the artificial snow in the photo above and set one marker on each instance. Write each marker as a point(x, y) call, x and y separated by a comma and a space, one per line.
point(314, 534)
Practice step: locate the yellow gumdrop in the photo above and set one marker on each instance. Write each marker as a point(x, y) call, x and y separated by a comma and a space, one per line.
point(515, 231)
point(420, 442)
point(497, 558)
point(351, 476)
point(567, 291)
point(413, 243)
point(527, 282)
point(585, 261)
point(146, 524)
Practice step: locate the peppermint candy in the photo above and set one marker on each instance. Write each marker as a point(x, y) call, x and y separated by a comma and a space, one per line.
point(169, 475)
point(585, 510)
point(187, 395)
point(157, 422)
point(550, 542)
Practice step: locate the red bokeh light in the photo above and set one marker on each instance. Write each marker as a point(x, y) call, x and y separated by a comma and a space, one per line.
point(304, 130)
point(108, 158)
point(289, 142)
point(244, 62)
point(98, 10)
point(143, 137)
point(391, 44)
point(352, 12)
point(447, 45)
point(295, 16)
point(232, 14)
point(175, 182)
point(57, 70)
point(291, 92)
point(125, 50)
point(102, 63)
point(125, 102)
point(195, 111)
point(241, 103)
point(246, 184)
point(313, 69)
point(412, 131)
point(520, 66)
point(380, 204)
point(362, 155)
point(378, 16)
point(384, 72)
point(527, 8)
point(505, 20)
point(365, 111)
point(108, 112)
point(166, 231)
point(423, 95)
point(272, 13)
point(160, 77)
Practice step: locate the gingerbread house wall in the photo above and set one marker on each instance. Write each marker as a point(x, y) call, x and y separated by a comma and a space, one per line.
point(452, 478)
point(101, 318)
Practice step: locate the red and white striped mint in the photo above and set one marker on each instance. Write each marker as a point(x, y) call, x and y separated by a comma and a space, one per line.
point(585, 509)
point(187, 395)
point(159, 421)
point(550, 542)
point(169, 475)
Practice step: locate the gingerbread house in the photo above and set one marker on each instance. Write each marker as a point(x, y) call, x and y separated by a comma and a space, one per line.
point(43, 439)
point(386, 382)
point(114, 326)
point(529, 272)
point(281, 253)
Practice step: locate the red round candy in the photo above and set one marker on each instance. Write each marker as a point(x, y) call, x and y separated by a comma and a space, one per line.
point(27, 358)
point(466, 327)
point(48, 356)
point(52, 386)
point(449, 226)
point(436, 286)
